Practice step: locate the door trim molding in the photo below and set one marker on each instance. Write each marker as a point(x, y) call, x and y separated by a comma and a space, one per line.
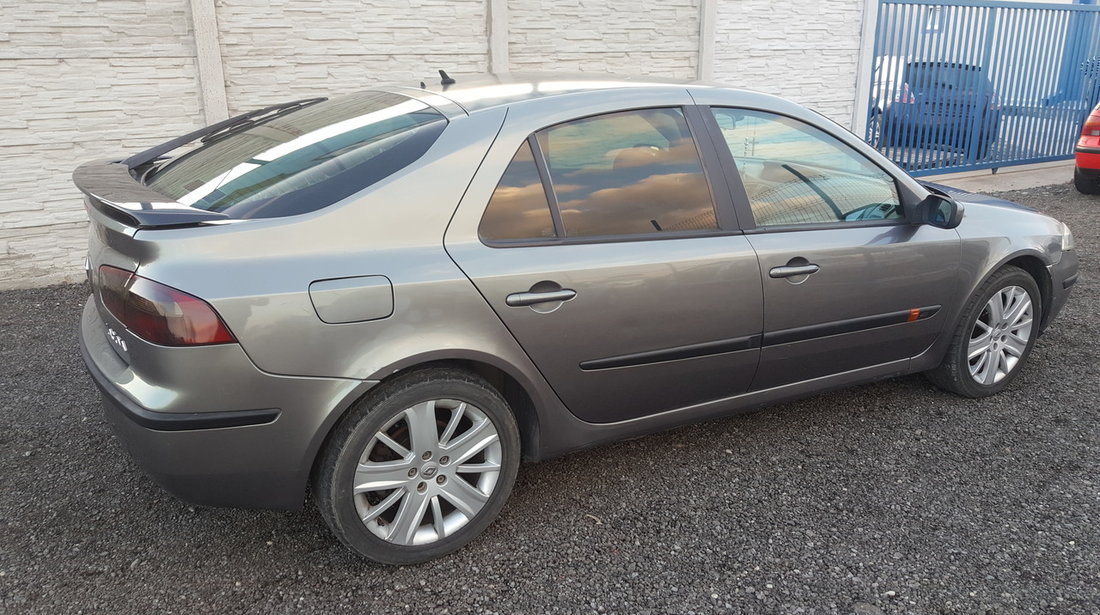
point(849, 325)
point(690, 351)
point(771, 338)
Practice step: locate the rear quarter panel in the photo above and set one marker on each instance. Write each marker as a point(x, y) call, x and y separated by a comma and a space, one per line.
point(257, 273)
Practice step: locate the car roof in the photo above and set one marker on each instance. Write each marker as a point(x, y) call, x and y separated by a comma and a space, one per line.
point(479, 92)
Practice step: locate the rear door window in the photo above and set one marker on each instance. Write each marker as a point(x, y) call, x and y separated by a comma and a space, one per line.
point(628, 173)
point(302, 160)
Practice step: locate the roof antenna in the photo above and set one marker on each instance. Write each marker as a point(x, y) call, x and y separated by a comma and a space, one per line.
point(445, 79)
point(422, 86)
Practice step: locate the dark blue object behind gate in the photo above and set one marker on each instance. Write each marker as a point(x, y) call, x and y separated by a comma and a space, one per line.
point(981, 84)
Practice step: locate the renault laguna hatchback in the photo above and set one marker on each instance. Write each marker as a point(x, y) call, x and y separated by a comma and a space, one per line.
point(393, 297)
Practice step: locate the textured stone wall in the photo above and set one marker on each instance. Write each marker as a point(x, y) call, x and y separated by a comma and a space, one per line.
point(805, 51)
point(86, 79)
point(625, 37)
point(80, 80)
point(285, 48)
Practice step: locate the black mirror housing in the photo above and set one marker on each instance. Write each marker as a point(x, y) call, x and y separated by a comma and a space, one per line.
point(939, 210)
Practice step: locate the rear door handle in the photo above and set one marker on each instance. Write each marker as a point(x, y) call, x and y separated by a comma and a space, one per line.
point(791, 271)
point(530, 298)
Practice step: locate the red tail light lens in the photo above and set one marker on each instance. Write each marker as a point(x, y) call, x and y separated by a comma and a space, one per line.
point(1092, 125)
point(160, 314)
point(905, 96)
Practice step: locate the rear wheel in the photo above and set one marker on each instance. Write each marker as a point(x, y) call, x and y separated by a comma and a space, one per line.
point(994, 337)
point(874, 129)
point(1086, 182)
point(419, 467)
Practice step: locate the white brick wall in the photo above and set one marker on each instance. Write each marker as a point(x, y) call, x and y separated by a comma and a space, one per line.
point(279, 49)
point(805, 51)
point(86, 79)
point(623, 37)
point(80, 80)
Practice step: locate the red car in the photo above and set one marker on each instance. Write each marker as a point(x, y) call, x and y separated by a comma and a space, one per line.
point(1086, 176)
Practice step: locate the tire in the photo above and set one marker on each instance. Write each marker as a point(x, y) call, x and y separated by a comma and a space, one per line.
point(984, 146)
point(396, 488)
point(956, 372)
point(1086, 183)
point(874, 130)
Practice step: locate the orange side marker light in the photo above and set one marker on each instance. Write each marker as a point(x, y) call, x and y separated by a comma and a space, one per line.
point(913, 314)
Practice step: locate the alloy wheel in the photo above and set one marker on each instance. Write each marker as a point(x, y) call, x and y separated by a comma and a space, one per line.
point(1000, 335)
point(427, 472)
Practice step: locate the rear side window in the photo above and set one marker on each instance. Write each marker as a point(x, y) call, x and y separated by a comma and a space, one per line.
point(518, 209)
point(628, 173)
point(941, 76)
point(303, 160)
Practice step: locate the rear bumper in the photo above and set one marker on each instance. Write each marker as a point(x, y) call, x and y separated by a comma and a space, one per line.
point(254, 451)
point(1088, 159)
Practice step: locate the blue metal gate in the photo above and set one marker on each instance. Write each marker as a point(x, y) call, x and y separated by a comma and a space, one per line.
point(978, 84)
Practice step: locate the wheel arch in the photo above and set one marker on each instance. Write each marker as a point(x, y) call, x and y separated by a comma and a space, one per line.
point(1035, 265)
point(515, 390)
point(1031, 260)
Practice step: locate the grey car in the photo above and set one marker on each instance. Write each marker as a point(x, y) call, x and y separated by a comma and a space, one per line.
point(393, 297)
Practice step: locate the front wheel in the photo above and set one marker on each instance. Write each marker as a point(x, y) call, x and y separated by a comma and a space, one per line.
point(419, 467)
point(994, 337)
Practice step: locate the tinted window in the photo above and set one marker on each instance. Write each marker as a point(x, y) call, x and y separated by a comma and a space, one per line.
point(925, 76)
point(796, 174)
point(303, 160)
point(518, 208)
point(628, 173)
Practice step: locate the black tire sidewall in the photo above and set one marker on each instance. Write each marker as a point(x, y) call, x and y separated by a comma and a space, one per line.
point(342, 453)
point(960, 348)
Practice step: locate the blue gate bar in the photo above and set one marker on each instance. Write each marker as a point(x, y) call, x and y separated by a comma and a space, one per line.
point(977, 84)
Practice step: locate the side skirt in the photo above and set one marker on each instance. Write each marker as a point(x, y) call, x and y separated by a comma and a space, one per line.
point(561, 437)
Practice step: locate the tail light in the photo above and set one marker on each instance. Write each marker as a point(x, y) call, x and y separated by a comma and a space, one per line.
point(905, 96)
point(160, 314)
point(1092, 125)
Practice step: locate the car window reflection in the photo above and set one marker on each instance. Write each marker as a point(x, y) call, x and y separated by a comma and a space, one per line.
point(628, 173)
point(518, 208)
point(794, 173)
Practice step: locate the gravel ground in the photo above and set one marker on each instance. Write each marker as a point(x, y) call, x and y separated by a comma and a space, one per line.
point(887, 498)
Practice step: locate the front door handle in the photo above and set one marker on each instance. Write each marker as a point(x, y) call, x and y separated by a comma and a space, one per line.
point(791, 271)
point(531, 298)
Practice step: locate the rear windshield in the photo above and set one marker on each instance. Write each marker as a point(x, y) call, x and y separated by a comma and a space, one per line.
point(302, 160)
point(931, 75)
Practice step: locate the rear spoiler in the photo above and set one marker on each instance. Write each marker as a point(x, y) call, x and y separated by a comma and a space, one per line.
point(113, 190)
point(118, 195)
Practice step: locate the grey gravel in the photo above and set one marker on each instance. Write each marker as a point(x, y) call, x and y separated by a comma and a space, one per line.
point(887, 498)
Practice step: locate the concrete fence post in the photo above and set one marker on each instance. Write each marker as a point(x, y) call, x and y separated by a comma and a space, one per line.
point(708, 17)
point(208, 53)
point(497, 25)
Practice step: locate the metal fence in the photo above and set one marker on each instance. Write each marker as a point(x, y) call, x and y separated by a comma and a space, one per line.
point(981, 84)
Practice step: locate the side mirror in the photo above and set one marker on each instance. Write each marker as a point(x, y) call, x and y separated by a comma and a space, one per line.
point(939, 210)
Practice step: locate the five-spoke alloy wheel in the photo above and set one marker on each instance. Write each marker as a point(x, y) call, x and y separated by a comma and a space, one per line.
point(419, 467)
